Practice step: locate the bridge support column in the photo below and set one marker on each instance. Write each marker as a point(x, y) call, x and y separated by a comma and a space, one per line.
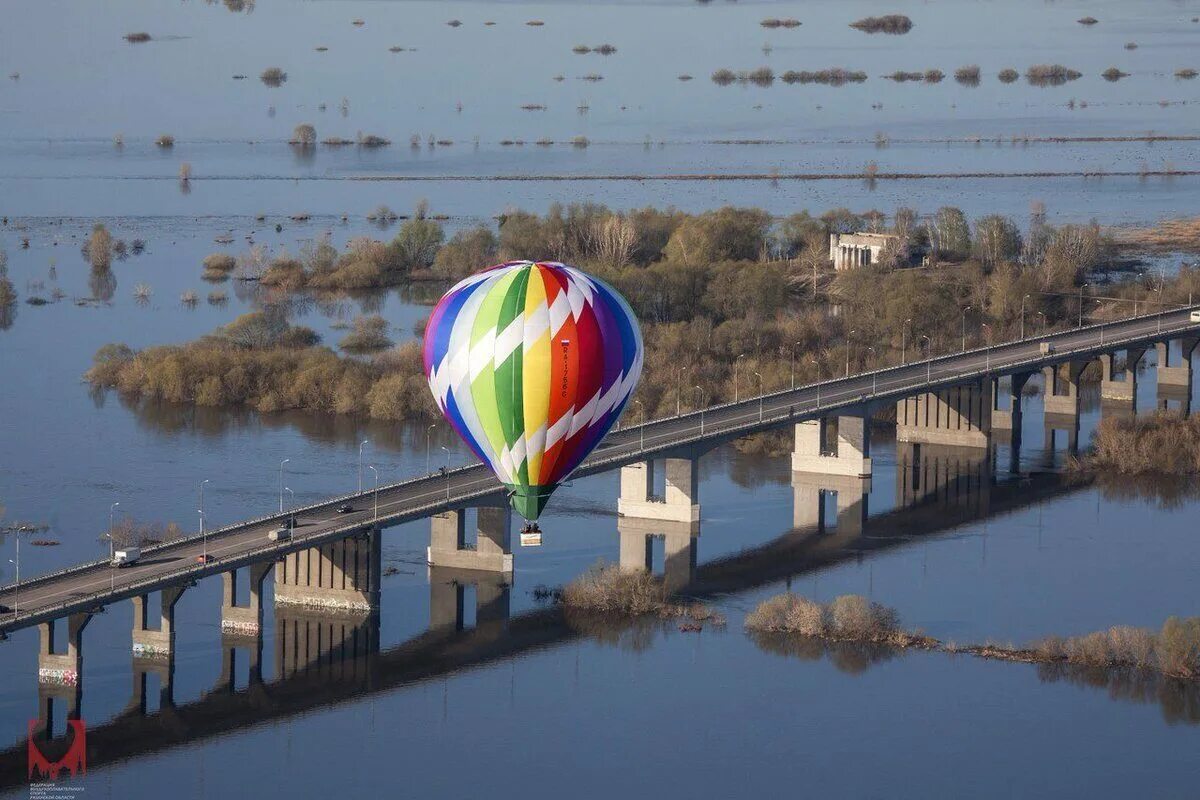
point(1066, 424)
point(1120, 384)
point(679, 548)
point(1171, 374)
point(809, 491)
point(493, 542)
point(1060, 395)
point(848, 454)
point(60, 674)
point(681, 502)
point(341, 576)
point(447, 591)
point(243, 620)
point(1009, 419)
point(149, 643)
point(960, 416)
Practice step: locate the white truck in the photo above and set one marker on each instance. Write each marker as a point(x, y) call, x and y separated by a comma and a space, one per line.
point(126, 556)
point(279, 534)
point(1194, 316)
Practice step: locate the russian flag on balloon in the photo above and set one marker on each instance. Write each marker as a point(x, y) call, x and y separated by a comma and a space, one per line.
point(532, 363)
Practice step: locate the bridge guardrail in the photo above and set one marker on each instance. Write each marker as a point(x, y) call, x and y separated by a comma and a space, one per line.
point(589, 466)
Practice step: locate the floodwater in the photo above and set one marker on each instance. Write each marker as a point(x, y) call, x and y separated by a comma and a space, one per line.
point(535, 703)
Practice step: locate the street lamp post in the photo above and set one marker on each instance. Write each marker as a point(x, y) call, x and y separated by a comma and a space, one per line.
point(760, 396)
point(1042, 314)
point(987, 357)
point(848, 335)
point(372, 468)
point(642, 427)
point(447, 449)
point(428, 433)
point(281, 463)
point(111, 509)
point(361, 444)
point(700, 405)
point(871, 350)
point(203, 535)
point(1023, 299)
point(817, 364)
point(736, 397)
point(964, 328)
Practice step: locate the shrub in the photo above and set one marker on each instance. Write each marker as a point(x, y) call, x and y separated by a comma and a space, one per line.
point(383, 214)
point(1179, 647)
point(900, 76)
point(189, 298)
point(142, 292)
point(580, 142)
point(467, 251)
point(854, 617)
point(99, 247)
point(967, 76)
point(835, 76)
point(773, 22)
point(304, 135)
point(418, 240)
point(8, 295)
point(605, 49)
point(369, 334)
point(607, 589)
point(724, 77)
point(217, 267)
point(140, 36)
point(1186, 74)
point(185, 172)
point(581, 49)
point(217, 298)
point(934, 76)
point(1112, 74)
point(788, 613)
point(1009, 75)
point(273, 76)
point(1164, 444)
point(889, 23)
point(1087, 20)
point(1050, 75)
point(763, 76)
point(165, 140)
point(370, 140)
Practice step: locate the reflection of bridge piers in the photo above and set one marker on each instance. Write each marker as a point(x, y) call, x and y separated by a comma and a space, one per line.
point(958, 478)
point(679, 539)
point(1175, 374)
point(810, 492)
point(331, 641)
point(447, 597)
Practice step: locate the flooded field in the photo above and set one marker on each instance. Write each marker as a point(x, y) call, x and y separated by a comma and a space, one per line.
point(513, 698)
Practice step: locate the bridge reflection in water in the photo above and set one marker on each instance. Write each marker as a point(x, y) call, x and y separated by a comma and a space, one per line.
point(327, 625)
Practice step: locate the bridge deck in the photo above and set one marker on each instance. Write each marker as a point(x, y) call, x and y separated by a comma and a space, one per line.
point(90, 586)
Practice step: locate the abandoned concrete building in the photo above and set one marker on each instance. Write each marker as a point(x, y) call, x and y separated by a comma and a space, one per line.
point(847, 250)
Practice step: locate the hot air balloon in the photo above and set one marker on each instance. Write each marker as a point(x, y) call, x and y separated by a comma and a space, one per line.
point(532, 363)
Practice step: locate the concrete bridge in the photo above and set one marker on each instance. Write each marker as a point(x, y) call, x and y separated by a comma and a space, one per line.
point(326, 656)
point(332, 563)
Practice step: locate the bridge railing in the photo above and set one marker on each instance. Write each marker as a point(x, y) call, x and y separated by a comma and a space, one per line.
point(747, 422)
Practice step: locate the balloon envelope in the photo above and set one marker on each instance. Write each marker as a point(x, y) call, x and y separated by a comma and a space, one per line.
point(531, 363)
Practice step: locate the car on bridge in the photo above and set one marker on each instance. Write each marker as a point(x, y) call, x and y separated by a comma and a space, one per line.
point(280, 534)
point(1194, 316)
point(345, 508)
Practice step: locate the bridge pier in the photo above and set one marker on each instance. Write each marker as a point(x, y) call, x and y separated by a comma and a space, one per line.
point(960, 416)
point(1120, 384)
point(681, 497)
point(679, 548)
point(447, 592)
point(151, 643)
point(1171, 374)
point(1009, 419)
point(243, 620)
point(1061, 391)
point(809, 491)
point(342, 575)
point(844, 449)
point(60, 674)
point(493, 541)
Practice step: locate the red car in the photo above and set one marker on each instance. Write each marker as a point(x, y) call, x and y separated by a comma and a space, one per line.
point(204, 559)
